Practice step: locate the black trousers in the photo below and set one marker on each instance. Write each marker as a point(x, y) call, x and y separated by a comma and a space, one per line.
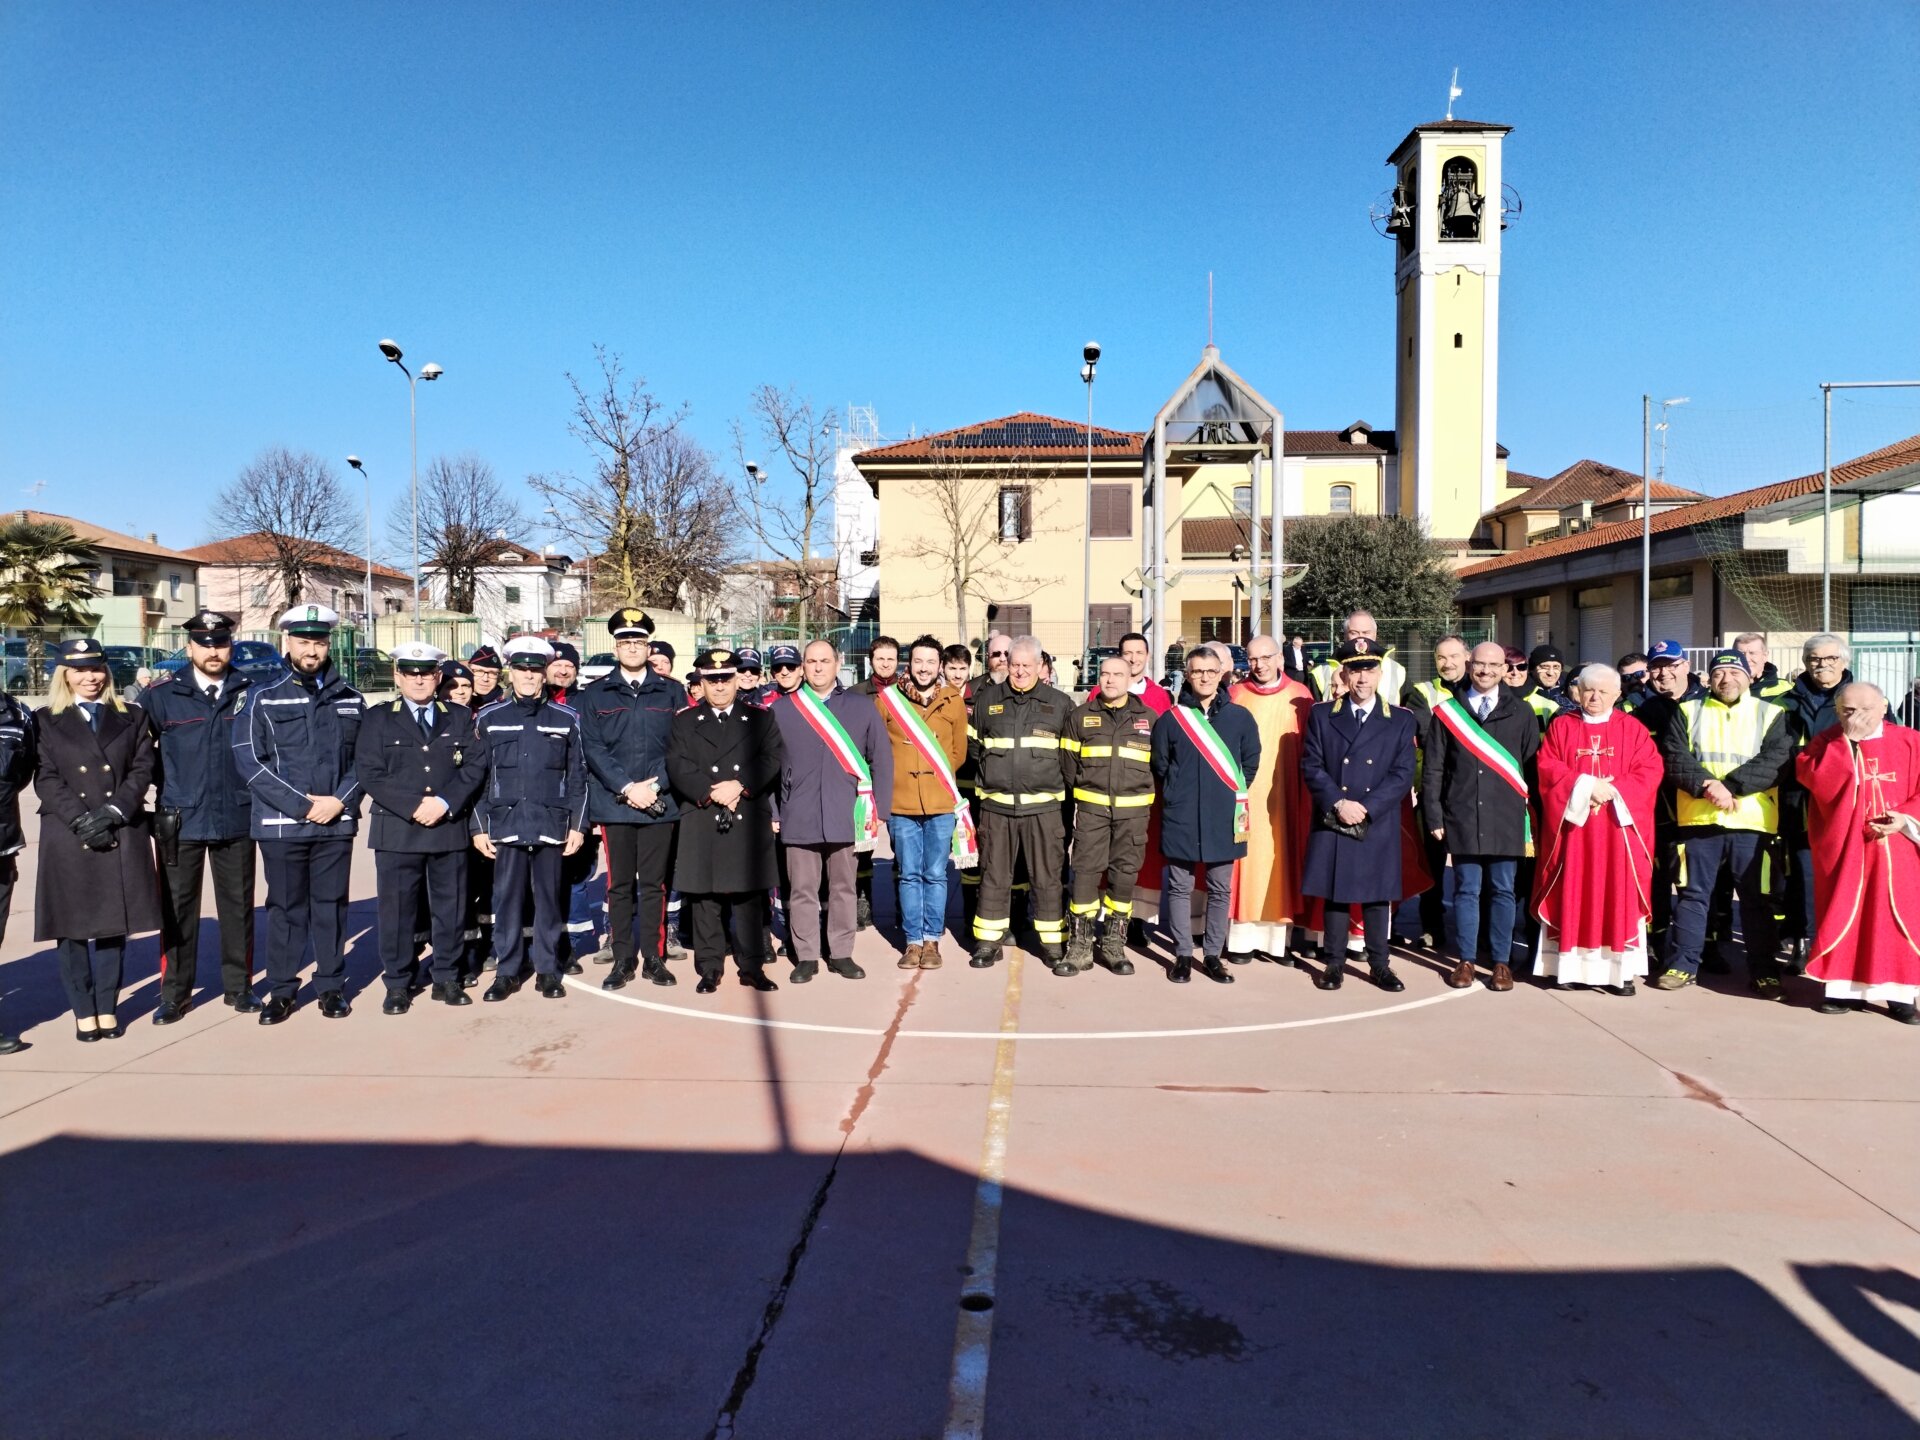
point(404, 881)
point(1108, 843)
point(306, 900)
point(232, 863)
point(92, 978)
point(710, 931)
point(1005, 840)
point(637, 858)
point(1378, 922)
point(1433, 908)
point(479, 932)
point(528, 876)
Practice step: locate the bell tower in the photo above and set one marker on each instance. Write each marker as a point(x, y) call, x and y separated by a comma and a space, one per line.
point(1444, 217)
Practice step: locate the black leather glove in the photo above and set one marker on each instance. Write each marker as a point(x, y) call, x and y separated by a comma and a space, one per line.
point(88, 827)
point(107, 817)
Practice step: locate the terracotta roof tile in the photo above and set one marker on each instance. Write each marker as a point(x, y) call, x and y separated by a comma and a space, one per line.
point(1875, 462)
point(1582, 480)
point(1218, 534)
point(256, 549)
point(99, 536)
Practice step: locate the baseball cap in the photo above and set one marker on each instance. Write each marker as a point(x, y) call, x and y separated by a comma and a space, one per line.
point(1665, 652)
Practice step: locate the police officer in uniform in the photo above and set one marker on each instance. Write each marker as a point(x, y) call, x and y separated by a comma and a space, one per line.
point(203, 817)
point(485, 665)
point(626, 718)
point(294, 747)
point(418, 761)
point(1109, 742)
point(530, 816)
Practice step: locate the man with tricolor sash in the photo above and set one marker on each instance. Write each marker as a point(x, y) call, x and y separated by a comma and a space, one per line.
point(836, 790)
point(1479, 747)
point(926, 722)
point(1204, 749)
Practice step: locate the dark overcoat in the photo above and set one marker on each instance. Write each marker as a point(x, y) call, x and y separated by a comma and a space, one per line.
point(704, 750)
point(84, 894)
point(816, 792)
point(1196, 806)
point(399, 767)
point(1343, 759)
point(1481, 812)
point(18, 761)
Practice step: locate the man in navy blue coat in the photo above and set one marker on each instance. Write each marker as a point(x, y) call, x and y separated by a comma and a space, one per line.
point(1357, 763)
point(1198, 807)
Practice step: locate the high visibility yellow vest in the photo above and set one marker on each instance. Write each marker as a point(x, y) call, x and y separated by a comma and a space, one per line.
point(1723, 738)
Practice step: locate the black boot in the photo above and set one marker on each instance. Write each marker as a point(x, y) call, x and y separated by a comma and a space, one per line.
point(985, 955)
point(1079, 954)
point(1182, 970)
point(1113, 947)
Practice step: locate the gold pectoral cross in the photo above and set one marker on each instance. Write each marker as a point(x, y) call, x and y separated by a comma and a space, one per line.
point(1595, 753)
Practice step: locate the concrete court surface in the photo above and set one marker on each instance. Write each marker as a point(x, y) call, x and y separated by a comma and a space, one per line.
point(1443, 1213)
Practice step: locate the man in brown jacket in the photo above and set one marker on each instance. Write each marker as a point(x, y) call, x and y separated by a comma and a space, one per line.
point(927, 723)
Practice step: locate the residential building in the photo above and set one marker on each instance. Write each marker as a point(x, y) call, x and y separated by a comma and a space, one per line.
point(521, 590)
point(1580, 497)
point(146, 590)
point(238, 577)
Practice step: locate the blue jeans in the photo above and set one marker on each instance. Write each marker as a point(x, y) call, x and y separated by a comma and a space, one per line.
point(921, 845)
point(1496, 872)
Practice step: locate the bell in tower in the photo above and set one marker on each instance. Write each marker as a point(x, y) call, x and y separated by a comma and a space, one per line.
point(1460, 200)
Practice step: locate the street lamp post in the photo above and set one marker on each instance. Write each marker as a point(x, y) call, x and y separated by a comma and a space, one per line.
point(367, 599)
point(1090, 355)
point(428, 371)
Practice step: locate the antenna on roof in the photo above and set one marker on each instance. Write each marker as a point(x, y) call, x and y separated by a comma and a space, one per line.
point(35, 488)
point(1453, 91)
point(1209, 307)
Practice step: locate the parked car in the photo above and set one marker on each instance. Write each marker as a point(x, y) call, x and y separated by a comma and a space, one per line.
point(596, 666)
point(256, 659)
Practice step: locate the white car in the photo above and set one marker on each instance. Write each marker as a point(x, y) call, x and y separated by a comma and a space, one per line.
point(596, 666)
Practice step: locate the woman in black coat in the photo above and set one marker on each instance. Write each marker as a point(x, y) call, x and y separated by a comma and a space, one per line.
point(97, 880)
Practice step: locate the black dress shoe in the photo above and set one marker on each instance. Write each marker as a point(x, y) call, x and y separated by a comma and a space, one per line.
point(1237, 959)
point(618, 977)
point(1211, 967)
point(398, 1002)
point(1905, 1011)
point(451, 994)
point(573, 967)
point(1387, 980)
point(168, 1011)
point(334, 1005)
point(1182, 970)
point(245, 1003)
point(11, 1044)
point(657, 972)
point(755, 980)
point(467, 982)
point(845, 968)
point(276, 1010)
point(1838, 1007)
point(110, 1032)
point(708, 984)
point(503, 987)
point(550, 987)
point(803, 971)
point(85, 1037)
point(1331, 978)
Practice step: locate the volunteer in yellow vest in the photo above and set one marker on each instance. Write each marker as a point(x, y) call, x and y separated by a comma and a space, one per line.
point(1361, 625)
point(1724, 753)
point(1109, 744)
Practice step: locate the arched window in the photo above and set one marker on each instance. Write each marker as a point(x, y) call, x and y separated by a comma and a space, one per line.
point(1460, 200)
point(1340, 500)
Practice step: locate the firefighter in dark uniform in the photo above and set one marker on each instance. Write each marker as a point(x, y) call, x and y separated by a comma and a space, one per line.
point(485, 665)
point(418, 760)
point(1109, 745)
point(1023, 779)
point(530, 816)
point(626, 717)
point(202, 818)
point(18, 758)
point(293, 742)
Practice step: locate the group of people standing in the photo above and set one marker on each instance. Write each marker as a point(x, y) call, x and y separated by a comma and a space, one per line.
point(1594, 831)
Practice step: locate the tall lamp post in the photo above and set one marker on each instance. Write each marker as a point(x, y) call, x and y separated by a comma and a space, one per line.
point(367, 599)
point(428, 371)
point(1090, 355)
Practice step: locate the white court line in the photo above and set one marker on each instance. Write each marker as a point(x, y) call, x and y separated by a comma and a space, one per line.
point(588, 988)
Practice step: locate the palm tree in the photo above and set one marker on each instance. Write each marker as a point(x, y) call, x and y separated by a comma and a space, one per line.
point(45, 582)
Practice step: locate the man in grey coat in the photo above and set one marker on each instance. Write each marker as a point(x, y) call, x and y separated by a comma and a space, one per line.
point(819, 799)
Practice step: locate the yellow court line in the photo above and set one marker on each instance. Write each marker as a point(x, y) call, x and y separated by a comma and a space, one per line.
point(973, 1334)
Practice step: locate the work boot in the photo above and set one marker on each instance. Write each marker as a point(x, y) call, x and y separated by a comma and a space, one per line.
point(1079, 942)
point(1113, 947)
point(910, 957)
point(986, 955)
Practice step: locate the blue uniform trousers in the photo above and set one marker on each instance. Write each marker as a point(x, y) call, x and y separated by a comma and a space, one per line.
point(528, 876)
point(306, 900)
point(1754, 862)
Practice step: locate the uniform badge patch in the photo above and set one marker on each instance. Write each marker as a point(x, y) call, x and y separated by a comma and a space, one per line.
point(996, 709)
point(1091, 722)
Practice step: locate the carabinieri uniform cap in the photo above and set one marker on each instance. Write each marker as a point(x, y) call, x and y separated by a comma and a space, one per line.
point(715, 664)
point(627, 623)
point(528, 652)
point(1359, 653)
point(210, 627)
point(417, 657)
point(316, 621)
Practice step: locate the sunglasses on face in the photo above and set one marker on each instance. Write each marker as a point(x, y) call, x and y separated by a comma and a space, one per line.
point(784, 665)
point(998, 654)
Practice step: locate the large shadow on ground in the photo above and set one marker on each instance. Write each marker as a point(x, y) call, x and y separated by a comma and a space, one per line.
point(212, 1289)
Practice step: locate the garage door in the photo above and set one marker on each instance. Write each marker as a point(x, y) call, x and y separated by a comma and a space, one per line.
point(1596, 635)
point(1673, 619)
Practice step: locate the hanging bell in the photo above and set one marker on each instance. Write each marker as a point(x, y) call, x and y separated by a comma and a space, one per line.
point(1462, 205)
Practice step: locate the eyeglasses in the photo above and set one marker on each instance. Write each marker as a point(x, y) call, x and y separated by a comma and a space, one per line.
point(998, 654)
point(1826, 660)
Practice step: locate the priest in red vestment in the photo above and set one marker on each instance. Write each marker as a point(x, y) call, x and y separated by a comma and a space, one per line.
point(1863, 819)
point(1599, 773)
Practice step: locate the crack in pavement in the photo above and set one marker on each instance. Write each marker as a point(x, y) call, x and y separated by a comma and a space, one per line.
point(744, 1377)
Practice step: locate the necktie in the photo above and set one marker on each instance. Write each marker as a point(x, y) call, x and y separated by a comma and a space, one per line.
point(92, 711)
point(1483, 707)
point(213, 694)
point(425, 717)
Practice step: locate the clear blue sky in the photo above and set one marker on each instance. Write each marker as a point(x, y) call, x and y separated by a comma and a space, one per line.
point(209, 213)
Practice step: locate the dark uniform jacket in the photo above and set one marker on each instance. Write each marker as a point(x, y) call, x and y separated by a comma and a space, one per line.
point(536, 789)
point(624, 731)
point(84, 894)
point(399, 767)
point(816, 793)
point(705, 749)
point(1810, 712)
point(18, 757)
point(1343, 759)
point(1482, 813)
point(295, 738)
point(197, 774)
point(1196, 805)
point(1110, 753)
point(1016, 746)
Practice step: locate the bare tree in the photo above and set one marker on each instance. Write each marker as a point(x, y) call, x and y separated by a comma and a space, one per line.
point(295, 504)
point(652, 517)
point(785, 500)
point(986, 525)
point(464, 514)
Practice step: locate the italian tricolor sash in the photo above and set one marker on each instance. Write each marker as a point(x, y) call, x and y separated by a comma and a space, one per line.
point(866, 825)
point(966, 843)
point(1220, 760)
point(1467, 729)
